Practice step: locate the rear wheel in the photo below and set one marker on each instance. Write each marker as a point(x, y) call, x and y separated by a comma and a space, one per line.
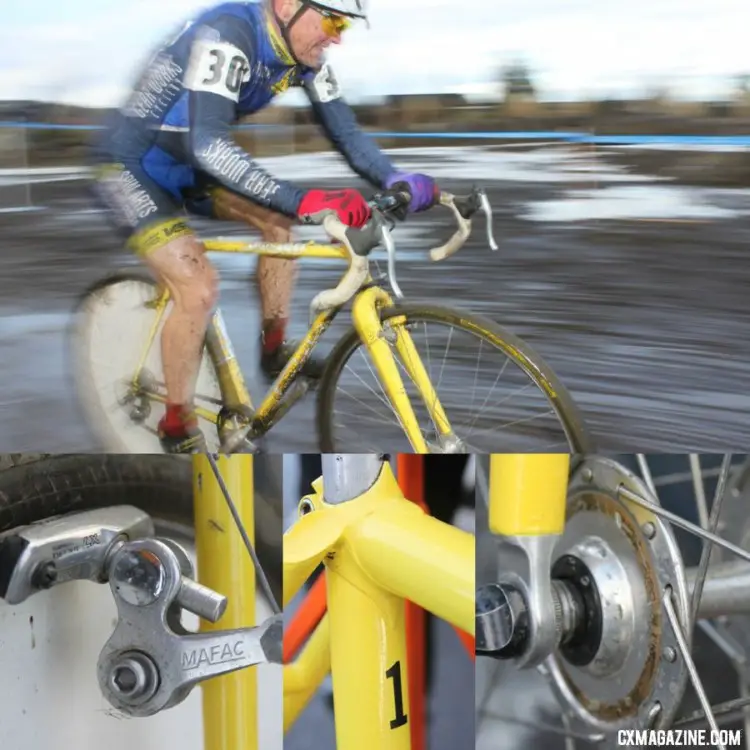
point(111, 326)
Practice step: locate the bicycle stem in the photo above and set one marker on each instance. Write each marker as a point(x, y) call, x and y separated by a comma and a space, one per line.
point(360, 242)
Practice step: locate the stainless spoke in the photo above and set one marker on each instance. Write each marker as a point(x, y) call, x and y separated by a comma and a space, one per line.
point(682, 523)
point(504, 425)
point(732, 650)
point(713, 522)
point(476, 374)
point(700, 492)
point(384, 398)
point(518, 390)
point(646, 474)
point(685, 651)
point(545, 727)
point(497, 380)
point(738, 704)
point(442, 367)
point(746, 717)
point(570, 742)
point(370, 408)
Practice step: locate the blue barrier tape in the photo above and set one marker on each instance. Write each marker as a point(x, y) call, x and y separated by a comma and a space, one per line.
point(524, 135)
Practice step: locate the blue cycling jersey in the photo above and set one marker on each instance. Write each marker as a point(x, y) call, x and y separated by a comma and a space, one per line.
point(227, 63)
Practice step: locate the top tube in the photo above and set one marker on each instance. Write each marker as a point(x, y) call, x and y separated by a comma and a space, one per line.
point(347, 476)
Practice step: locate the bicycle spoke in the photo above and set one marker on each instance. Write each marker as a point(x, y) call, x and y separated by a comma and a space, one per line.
point(686, 655)
point(370, 448)
point(744, 694)
point(525, 420)
point(367, 406)
point(713, 522)
point(570, 742)
point(682, 523)
point(484, 404)
point(384, 398)
point(445, 354)
point(521, 389)
point(427, 342)
point(361, 417)
point(700, 493)
point(410, 379)
point(733, 651)
point(719, 709)
point(476, 374)
point(551, 728)
point(646, 473)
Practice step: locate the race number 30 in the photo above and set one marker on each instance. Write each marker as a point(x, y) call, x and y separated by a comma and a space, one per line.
point(217, 67)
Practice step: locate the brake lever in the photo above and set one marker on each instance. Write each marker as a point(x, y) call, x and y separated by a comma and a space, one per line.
point(390, 247)
point(484, 204)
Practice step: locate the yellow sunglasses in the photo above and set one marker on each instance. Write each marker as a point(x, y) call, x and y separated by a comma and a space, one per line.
point(333, 25)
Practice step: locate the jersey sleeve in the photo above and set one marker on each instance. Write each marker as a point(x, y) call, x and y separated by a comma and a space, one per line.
point(340, 124)
point(220, 62)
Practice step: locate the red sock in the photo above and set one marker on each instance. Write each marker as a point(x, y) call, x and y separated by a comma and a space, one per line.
point(274, 332)
point(177, 419)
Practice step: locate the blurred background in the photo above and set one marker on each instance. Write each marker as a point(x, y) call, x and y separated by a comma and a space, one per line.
point(613, 142)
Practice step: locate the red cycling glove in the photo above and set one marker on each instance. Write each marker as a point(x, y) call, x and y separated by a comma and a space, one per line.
point(349, 205)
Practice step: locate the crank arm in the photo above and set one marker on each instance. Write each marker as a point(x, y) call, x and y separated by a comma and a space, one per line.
point(76, 546)
point(151, 662)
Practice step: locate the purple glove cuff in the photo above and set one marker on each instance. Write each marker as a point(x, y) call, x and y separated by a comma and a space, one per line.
point(422, 188)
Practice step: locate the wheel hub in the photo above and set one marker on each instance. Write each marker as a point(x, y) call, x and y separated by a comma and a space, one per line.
point(621, 667)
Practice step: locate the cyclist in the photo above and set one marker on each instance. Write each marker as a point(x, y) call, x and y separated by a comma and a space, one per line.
point(169, 150)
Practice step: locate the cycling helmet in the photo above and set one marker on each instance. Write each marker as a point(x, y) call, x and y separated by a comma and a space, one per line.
point(350, 8)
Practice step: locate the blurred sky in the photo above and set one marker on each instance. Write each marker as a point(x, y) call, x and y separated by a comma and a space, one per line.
point(87, 51)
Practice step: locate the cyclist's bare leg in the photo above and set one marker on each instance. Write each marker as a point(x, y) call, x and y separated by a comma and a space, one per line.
point(275, 277)
point(193, 283)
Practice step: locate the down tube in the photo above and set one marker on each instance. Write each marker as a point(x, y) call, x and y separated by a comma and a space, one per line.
point(368, 660)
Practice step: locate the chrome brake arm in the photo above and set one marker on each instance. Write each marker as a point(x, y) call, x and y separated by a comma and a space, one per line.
point(73, 547)
point(151, 662)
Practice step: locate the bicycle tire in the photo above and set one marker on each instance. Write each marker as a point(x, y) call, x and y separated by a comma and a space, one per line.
point(93, 410)
point(37, 486)
point(520, 353)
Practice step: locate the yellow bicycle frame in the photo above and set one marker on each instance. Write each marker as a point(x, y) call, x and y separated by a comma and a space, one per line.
point(366, 309)
point(379, 549)
point(230, 703)
point(527, 493)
